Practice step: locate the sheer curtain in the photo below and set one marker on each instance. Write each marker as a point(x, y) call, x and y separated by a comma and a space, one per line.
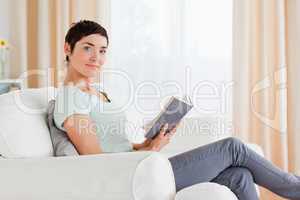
point(161, 48)
point(266, 74)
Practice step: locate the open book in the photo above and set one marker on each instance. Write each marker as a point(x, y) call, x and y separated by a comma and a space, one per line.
point(172, 113)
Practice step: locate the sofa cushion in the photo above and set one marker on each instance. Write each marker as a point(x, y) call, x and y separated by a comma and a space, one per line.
point(211, 191)
point(62, 146)
point(23, 127)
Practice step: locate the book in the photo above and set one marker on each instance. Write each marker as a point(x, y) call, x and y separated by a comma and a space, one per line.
point(174, 110)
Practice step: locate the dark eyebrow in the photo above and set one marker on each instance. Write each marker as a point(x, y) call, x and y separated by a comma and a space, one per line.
point(91, 44)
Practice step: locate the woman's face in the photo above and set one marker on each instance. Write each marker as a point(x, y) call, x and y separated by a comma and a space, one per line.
point(89, 55)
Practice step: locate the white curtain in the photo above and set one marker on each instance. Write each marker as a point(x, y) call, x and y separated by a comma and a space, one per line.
point(161, 48)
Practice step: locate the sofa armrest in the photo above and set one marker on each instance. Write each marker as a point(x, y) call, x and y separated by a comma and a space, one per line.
point(126, 176)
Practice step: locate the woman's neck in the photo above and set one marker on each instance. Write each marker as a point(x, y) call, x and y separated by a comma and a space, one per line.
point(75, 78)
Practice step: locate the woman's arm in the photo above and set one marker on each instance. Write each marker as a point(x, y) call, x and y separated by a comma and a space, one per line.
point(81, 131)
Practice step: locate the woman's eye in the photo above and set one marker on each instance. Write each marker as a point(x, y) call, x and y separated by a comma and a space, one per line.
point(87, 48)
point(102, 51)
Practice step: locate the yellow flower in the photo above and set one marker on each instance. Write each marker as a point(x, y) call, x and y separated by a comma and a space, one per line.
point(3, 43)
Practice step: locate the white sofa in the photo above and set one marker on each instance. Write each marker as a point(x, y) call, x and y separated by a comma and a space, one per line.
point(30, 171)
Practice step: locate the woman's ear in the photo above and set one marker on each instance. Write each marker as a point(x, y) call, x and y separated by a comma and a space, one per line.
point(67, 49)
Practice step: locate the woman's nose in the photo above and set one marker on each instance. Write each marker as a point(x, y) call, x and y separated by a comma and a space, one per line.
point(94, 57)
point(97, 58)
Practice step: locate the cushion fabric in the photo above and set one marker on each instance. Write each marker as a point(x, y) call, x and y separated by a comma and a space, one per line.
point(62, 146)
point(23, 129)
point(211, 191)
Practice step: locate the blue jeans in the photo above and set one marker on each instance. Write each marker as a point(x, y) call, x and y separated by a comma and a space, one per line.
point(231, 163)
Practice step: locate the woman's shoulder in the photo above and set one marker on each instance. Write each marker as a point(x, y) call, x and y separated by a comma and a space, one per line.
point(68, 101)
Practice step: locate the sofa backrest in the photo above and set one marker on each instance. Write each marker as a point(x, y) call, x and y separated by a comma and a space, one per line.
point(23, 127)
point(24, 131)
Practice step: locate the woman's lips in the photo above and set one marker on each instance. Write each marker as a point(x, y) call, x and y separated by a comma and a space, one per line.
point(92, 66)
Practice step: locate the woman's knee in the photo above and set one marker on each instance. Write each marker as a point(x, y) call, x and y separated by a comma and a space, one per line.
point(233, 142)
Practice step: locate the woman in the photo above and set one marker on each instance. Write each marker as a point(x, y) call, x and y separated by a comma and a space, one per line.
point(91, 122)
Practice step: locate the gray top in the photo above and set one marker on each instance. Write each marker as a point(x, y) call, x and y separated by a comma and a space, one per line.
point(110, 121)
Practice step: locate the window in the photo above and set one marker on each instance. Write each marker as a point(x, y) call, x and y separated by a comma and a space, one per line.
point(172, 47)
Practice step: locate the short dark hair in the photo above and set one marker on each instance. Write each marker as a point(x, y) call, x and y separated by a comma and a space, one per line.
point(81, 29)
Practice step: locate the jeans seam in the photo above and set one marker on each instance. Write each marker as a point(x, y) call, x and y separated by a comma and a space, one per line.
point(274, 173)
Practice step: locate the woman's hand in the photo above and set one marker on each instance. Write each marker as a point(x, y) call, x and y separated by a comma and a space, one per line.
point(163, 138)
point(142, 146)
